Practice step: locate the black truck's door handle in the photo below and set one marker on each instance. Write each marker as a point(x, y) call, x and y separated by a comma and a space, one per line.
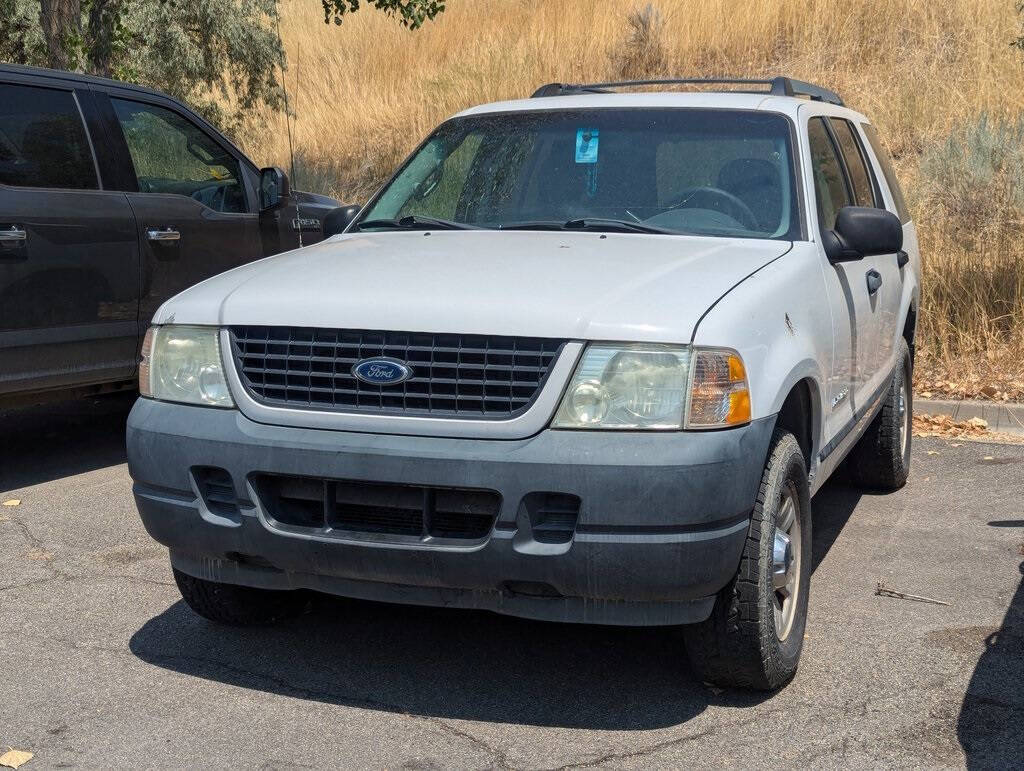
point(14, 236)
point(163, 235)
point(874, 281)
point(13, 240)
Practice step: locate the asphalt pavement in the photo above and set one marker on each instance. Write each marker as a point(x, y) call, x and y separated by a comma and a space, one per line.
point(102, 665)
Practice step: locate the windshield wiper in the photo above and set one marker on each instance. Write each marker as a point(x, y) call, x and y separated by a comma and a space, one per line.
point(599, 223)
point(415, 222)
point(532, 225)
point(588, 223)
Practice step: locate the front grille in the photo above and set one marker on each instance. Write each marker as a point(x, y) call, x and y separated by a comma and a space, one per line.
point(412, 511)
point(465, 376)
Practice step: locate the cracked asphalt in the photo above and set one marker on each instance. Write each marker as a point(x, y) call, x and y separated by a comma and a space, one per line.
point(102, 665)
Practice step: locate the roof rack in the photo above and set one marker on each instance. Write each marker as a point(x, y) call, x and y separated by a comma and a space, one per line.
point(779, 86)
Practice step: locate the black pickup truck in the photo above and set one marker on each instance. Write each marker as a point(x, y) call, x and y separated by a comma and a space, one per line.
point(113, 198)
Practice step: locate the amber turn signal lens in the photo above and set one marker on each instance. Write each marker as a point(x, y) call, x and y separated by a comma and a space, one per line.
point(719, 394)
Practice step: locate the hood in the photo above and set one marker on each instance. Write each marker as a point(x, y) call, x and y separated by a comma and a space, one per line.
point(314, 198)
point(587, 286)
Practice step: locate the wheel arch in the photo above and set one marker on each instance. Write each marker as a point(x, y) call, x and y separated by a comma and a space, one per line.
point(799, 412)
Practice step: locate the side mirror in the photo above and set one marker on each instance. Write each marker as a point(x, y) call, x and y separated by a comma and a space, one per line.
point(274, 188)
point(861, 232)
point(338, 219)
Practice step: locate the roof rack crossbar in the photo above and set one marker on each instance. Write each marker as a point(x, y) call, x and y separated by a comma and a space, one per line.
point(779, 86)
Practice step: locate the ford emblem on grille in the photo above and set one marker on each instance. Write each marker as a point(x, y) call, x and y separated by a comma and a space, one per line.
point(381, 371)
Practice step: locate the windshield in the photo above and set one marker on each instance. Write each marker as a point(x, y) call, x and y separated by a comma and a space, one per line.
point(694, 171)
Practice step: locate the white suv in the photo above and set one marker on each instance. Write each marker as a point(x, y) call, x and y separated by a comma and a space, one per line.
point(586, 357)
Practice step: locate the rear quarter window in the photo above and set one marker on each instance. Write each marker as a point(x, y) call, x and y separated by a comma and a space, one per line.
point(42, 140)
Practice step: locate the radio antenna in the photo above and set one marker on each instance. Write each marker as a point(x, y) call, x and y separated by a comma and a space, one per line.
point(288, 119)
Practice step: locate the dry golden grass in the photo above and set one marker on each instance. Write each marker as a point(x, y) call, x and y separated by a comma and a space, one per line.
point(366, 92)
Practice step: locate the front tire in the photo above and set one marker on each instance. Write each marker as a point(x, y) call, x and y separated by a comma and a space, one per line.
point(755, 633)
point(236, 605)
point(881, 458)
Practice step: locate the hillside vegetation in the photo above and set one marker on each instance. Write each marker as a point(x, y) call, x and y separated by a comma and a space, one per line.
point(940, 79)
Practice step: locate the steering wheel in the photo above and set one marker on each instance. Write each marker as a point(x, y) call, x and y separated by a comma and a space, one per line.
point(733, 206)
point(213, 196)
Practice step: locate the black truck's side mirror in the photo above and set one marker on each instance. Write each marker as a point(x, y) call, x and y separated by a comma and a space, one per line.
point(861, 232)
point(338, 219)
point(274, 188)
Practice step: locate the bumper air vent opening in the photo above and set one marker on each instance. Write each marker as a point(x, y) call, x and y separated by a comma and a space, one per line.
point(531, 589)
point(294, 501)
point(552, 516)
point(378, 510)
point(217, 491)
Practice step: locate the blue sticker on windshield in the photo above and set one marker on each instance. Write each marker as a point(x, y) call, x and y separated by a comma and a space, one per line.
point(586, 146)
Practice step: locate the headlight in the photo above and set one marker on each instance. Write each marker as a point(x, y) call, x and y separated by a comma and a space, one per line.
point(183, 364)
point(662, 387)
point(627, 387)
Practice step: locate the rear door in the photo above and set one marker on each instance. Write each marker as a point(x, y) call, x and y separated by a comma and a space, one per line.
point(69, 263)
point(194, 202)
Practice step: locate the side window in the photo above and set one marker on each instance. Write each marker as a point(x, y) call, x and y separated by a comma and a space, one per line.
point(853, 154)
point(887, 171)
point(173, 155)
point(829, 185)
point(42, 140)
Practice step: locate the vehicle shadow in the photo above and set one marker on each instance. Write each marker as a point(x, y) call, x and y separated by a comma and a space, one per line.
point(991, 723)
point(458, 664)
point(59, 439)
point(832, 506)
point(442, 663)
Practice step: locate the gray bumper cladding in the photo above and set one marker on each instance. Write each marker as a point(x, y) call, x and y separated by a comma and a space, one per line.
point(598, 527)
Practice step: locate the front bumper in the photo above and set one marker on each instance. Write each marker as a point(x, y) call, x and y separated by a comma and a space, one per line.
point(660, 528)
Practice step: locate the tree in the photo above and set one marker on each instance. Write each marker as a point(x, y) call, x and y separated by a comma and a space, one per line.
point(206, 52)
point(411, 13)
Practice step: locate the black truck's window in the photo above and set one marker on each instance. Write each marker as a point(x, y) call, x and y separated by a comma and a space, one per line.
point(829, 184)
point(860, 178)
point(173, 155)
point(42, 140)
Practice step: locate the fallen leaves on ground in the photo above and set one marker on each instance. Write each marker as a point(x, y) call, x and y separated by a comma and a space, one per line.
point(13, 502)
point(945, 427)
point(15, 758)
point(970, 378)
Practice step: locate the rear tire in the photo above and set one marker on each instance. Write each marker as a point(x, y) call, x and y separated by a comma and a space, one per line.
point(755, 633)
point(237, 605)
point(881, 458)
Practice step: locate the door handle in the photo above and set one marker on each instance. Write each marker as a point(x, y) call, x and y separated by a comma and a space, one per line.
point(874, 281)
point(163, 234)
point(13, 235)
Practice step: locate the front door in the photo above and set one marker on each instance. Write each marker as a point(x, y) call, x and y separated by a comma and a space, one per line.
point(195, 214)
point(69, 263)
point(845, 282)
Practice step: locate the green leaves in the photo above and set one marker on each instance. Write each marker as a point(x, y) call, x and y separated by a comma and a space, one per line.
point(411, 13)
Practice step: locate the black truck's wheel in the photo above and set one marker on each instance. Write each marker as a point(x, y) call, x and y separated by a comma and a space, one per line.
point(755, 633)
point(236, 605)
point(881, 458)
